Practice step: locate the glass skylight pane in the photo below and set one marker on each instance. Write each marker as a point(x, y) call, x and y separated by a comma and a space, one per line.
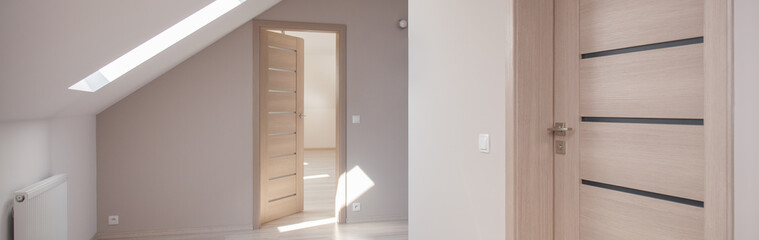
point(155, 45)
point(91, 83)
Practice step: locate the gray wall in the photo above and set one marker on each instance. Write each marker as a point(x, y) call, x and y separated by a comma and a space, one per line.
point(34, 150)
point(178, 152)
point(377, 90)
point(746, 119)
point(457, 90)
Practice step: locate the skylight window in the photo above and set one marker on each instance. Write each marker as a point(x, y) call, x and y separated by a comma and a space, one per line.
point(155, 45)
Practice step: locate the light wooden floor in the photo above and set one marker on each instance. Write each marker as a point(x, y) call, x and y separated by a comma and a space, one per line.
point(319, 203)
point(395, 230)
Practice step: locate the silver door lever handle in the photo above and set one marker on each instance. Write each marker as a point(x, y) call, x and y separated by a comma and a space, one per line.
point(560, 129)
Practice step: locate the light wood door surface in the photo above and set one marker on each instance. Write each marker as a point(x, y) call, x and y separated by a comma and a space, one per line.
point(281, 139)
point(630, 81)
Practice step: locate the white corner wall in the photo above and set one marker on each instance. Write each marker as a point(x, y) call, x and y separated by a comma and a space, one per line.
point(457, 90)
point(746, 161)
point(72, 151)
point(36, 149)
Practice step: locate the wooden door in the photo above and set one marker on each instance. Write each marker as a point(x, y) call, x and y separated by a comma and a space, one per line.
point(629, 79)
point(281, 125)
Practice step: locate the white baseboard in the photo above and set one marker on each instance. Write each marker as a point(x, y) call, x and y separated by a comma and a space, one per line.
point(173, 232)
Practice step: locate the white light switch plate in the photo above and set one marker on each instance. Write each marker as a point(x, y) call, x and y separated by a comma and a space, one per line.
point(484, 143)
point(356, 207)
point(356, 118)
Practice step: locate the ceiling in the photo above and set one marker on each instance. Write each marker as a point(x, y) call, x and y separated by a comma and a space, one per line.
point(46, 46)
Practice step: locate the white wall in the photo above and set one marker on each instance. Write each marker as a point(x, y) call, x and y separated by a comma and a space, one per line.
point(24, 159)
point(72, 151)
point(34, 150)
point(746, 119)
point(457, 89)
point(320, 79)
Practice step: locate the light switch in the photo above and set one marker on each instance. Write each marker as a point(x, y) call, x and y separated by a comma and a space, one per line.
point(484, 143)
point(356, 118)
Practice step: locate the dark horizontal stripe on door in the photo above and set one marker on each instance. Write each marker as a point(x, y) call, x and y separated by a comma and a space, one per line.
point(675, 121)
point(674, 199)
point(676, 43)
point(280, 198)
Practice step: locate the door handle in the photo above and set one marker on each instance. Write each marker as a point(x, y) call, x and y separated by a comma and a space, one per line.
point(560, 129)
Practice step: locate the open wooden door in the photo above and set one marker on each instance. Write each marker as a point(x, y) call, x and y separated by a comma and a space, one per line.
point(281, 125)
point(635, 137)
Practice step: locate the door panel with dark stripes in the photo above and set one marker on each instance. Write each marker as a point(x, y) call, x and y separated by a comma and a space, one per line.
point(661, 83)
point(613, 24)
point(608, 214)
point(668, 159)
point(281, 125)
point(638, 93)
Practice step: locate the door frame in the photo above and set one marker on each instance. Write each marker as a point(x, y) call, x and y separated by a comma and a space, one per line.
point(340, 161)
point(718, 114)
point(718, 75)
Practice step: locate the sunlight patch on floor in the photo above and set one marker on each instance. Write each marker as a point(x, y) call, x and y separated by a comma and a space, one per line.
point(316, 176)
point(308, 224)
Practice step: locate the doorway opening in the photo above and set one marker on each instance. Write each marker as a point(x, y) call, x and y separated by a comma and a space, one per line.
point(319, 123)
point(301, 123)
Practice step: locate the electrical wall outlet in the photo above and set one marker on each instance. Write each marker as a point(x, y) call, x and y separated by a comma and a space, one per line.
point(356, 207)
point(113, 220)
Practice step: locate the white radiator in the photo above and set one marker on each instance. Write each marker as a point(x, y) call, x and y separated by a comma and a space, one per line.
point(39, 210)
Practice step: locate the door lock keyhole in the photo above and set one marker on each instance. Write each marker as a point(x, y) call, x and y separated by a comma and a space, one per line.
point(560, 147)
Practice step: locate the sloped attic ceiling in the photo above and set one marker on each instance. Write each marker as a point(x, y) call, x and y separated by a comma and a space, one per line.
point(46, 46)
